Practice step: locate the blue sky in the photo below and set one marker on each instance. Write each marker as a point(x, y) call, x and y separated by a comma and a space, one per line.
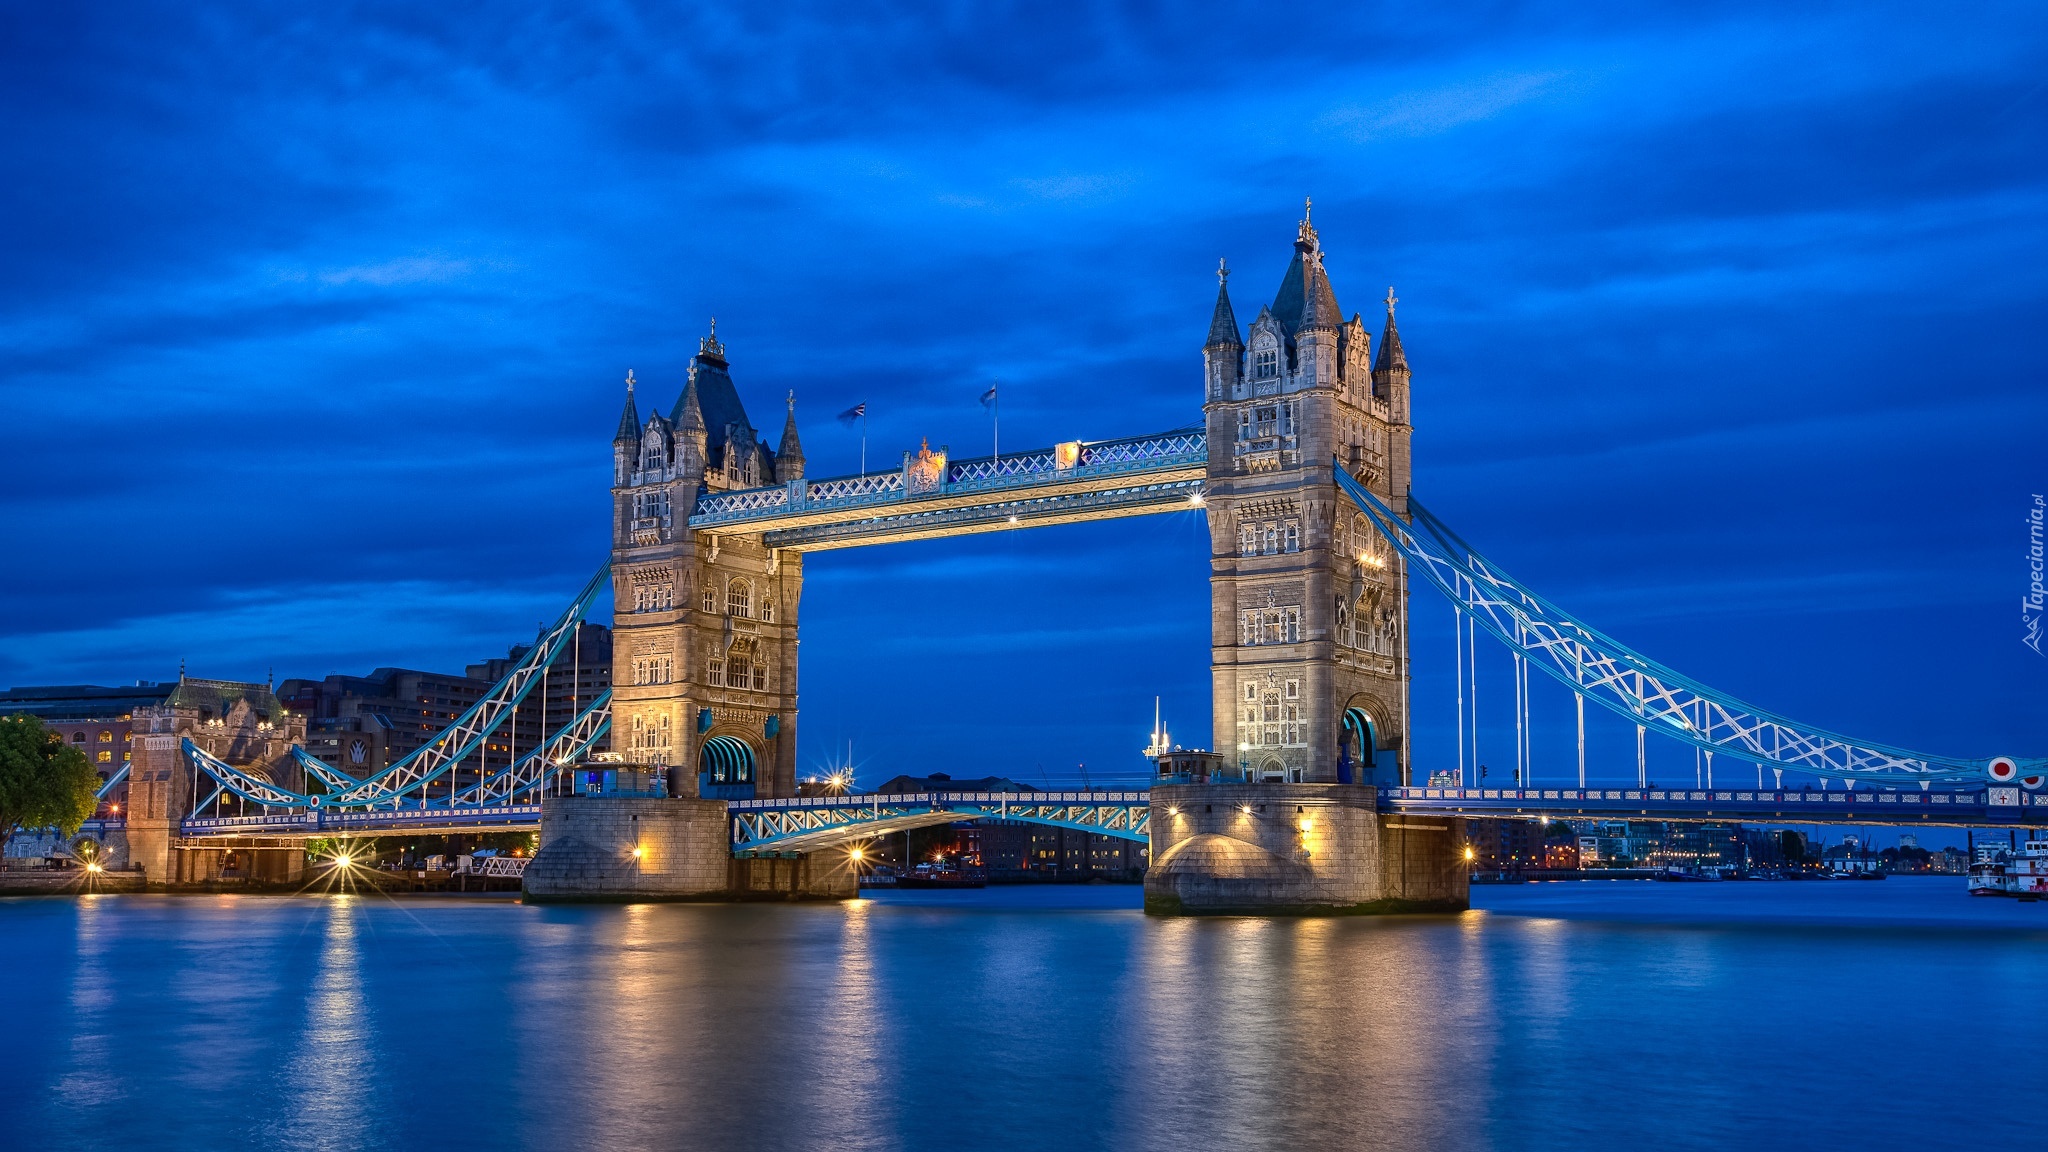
point(1726, 326)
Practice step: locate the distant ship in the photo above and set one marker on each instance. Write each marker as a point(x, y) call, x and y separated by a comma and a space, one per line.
point(2024, 876)
point(942, 875)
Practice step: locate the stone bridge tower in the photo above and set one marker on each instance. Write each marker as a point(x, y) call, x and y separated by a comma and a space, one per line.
point(1309, 603)
point(1309, 614)
point(705, 632)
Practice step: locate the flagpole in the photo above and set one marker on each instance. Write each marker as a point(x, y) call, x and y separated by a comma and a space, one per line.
point(863, 439)
point(995, 407)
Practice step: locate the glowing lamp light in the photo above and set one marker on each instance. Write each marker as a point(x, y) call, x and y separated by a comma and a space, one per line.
point(1469, 853)
point(858, 854)
point(1245, 808)
point(94, 868)
point(1173, 811)
point(1195, 500)
point(636, 851)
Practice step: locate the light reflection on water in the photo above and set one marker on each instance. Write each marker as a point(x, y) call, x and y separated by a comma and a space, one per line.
point(1019, 1019)
point(327, 1103)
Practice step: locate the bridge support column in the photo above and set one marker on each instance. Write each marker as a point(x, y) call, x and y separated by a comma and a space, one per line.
point(1297, 849)
point(632, 848)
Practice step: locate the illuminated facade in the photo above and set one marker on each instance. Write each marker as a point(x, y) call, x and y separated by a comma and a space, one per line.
point(1309, 604)
point(705, 627)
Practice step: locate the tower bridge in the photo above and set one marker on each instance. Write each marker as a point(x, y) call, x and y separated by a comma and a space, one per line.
point(1301, 464)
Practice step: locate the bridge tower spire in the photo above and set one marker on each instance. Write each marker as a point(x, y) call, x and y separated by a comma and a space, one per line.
point(704, 650)
point(1309, 607)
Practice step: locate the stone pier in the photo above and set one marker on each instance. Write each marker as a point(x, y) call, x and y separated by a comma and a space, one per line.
point(1303, 849)
point(629, 848)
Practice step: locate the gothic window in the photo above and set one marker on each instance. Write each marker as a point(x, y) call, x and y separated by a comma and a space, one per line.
point(1272, 539)
point(1247, 540)
point(767, 610)
point(760, 677)
point(1257, 626)
point(1265, 421)
point(1291, 541)
point(710, 600)
point(1266, 363)
point(714, 673)
point(740, 674)
point(650, 505)
point(739, 598)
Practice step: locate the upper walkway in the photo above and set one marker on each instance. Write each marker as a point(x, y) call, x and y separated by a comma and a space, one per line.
point(934, 496)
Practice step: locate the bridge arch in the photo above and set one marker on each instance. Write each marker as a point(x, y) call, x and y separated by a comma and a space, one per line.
point(727, 759)
point(1363, 735)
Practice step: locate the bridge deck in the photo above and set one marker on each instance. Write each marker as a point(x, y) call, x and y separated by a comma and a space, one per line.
point(800, 824)
point(935, 497)
point(1967, 807)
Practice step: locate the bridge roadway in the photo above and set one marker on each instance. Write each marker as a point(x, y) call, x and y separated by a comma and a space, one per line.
point(933, 496)
point(808, 823)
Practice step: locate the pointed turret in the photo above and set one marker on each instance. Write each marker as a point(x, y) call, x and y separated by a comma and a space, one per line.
point(629, 420)
point(1319, 301)
point(688, 414)
point(1223, 351)
point(789, 457)
point(1391, 357)
point(1223, 322)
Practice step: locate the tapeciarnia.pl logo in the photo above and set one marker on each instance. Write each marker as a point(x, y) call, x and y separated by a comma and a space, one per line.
point(2032, 605)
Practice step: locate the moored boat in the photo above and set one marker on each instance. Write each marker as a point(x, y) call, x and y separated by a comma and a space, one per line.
point(2024, 875)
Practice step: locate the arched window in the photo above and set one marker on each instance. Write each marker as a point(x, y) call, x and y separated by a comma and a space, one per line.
point(739, 598)
point(767, 610)
point(1266, 363)
point(710, 600)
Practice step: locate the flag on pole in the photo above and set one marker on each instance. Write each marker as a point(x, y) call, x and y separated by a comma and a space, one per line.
point(857, 412)
point(988, 397)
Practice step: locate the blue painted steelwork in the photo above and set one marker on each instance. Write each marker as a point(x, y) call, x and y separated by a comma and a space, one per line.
point(1065, 481)
point(432, 760)
point(1957, 807)
point(807, 823)
point(318, 822)
point(1603, 669)
point(107, 787)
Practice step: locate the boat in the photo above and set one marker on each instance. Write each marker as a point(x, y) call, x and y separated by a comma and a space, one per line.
point(942, 876)
point(2024, 875)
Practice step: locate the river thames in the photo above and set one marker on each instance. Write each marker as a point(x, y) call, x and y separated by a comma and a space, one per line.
point(1563, 1016)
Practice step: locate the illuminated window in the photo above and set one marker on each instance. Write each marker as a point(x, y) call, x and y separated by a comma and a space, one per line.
point(106, 737)
point(106, 757)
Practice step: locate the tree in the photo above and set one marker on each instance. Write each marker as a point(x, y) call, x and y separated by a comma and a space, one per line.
point(44, 782)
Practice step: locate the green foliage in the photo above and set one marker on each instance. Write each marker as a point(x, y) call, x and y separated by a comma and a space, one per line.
point(44, 782)
point(1792, 846)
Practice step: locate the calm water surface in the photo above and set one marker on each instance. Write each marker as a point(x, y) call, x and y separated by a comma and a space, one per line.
point(1570, 1016)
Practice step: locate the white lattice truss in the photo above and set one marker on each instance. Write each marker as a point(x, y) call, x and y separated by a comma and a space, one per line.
point(407, 780)
point(1651, 695)
point(808, 823)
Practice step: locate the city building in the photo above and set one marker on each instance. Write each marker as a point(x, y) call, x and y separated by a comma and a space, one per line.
point(98, 721)
point(364, 724)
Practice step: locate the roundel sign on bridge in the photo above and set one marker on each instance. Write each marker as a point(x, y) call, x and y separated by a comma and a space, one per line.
point(2002, 770)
